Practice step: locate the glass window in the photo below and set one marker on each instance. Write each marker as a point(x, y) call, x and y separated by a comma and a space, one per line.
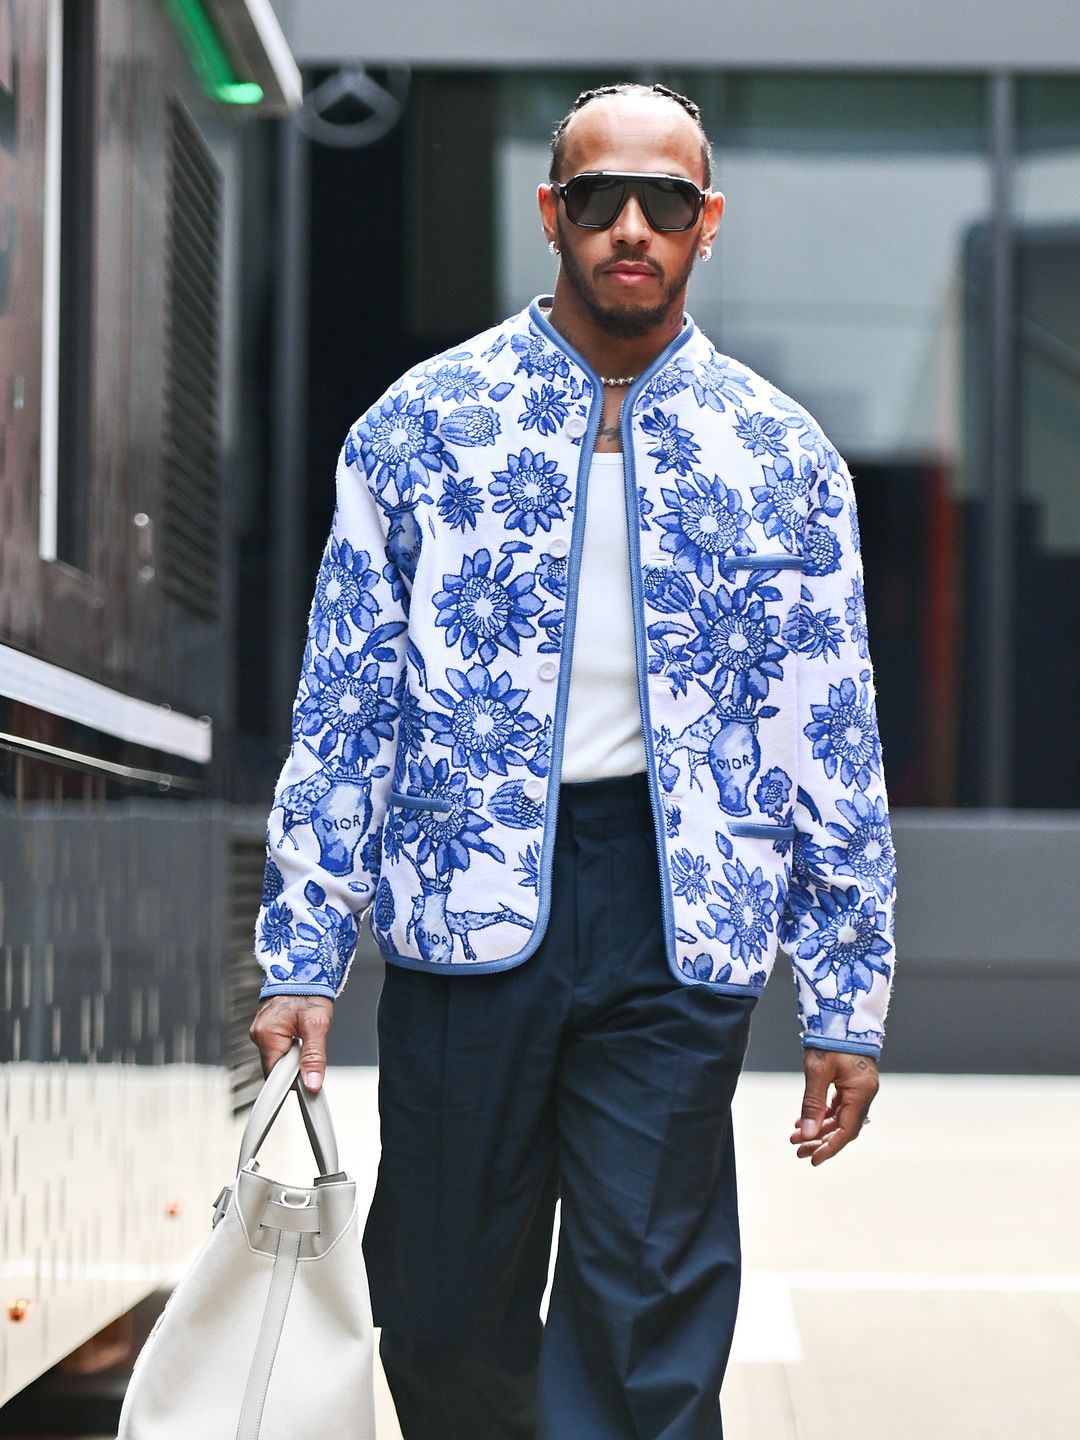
point(1046, 765)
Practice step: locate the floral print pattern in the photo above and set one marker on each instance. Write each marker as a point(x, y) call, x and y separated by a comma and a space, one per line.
point(486, 607)
point(744, 914)
point(398, 442)
point(531, 492)
point(676, 449)
point(461, 502)
point(343, 598)
point(706, 523)
point(486, 725)
point(545, 410)
point(348, 703)
point(845, 734)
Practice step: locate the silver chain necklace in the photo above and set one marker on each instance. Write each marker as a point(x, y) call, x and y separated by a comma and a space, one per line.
point(615, 382)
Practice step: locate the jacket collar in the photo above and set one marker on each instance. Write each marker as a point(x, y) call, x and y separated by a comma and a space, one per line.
point(539, 318)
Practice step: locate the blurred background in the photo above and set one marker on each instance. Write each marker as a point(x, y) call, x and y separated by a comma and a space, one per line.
point(225, 227)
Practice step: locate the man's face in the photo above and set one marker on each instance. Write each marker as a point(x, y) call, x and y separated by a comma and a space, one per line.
point(630, 277)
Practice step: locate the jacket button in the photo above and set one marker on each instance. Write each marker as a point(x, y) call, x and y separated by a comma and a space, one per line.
point(548, 670)
point(534, 788)
point(576, 426)
point(559, 548)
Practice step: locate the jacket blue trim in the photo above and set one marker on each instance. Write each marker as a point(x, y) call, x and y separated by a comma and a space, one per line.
point(751, 830)
point(562, 698)
point(313, 989)
point(469, 967)
point(633, 532)
point(848, 1047)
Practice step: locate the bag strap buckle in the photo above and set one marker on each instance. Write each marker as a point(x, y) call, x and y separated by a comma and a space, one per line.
point(221, 1204)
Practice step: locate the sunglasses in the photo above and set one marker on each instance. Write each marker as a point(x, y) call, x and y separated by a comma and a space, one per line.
point(595, 200)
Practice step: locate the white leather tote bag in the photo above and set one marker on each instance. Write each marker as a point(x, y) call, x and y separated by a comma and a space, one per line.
point(268, 1336)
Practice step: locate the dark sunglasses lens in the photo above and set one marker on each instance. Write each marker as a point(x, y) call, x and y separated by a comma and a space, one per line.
point(670, 204)
point(594, 201)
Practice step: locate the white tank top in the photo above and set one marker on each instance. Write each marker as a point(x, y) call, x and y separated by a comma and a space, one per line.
point(603, 718)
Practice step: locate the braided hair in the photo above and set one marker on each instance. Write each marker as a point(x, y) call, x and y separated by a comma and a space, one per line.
point(558, 139)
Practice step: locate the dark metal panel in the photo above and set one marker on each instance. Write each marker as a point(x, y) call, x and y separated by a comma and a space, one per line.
point(22, 183)
point(79, 146)
point(286, 598)
point(243, 978)
point(998, 581)
point(191, 508)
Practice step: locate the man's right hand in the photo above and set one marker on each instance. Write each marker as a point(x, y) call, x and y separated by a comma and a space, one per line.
point(280, 1019)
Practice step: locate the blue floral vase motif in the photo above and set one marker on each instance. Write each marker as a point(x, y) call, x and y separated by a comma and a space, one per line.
point(340, 819)
point(735, 759)
point(433, 937)
point(834, 1015)
point(403, 541)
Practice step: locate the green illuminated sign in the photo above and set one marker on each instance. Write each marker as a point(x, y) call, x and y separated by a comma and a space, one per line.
point(207, 55)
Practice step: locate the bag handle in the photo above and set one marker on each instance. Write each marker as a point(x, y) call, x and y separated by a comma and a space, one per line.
point(313, 1108)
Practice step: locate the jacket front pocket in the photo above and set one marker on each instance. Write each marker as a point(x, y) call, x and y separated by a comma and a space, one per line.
point(731, 564)
point(752, 830)
point(420, 802)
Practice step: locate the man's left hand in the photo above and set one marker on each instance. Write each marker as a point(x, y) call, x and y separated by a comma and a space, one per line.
point(828, 1123)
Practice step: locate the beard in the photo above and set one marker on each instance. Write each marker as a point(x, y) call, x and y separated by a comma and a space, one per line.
point(621, 322)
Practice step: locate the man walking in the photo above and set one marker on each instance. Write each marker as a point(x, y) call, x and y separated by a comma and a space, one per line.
point(586, 723)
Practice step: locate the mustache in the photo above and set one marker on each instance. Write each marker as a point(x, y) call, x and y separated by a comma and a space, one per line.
point(628, 257)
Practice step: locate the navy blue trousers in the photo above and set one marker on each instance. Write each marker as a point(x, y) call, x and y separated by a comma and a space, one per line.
point(587, 1074)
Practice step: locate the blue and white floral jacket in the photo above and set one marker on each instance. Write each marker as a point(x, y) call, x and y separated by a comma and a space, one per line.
point(428, 728)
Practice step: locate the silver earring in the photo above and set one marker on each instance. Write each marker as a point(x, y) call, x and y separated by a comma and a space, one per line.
point(553, 247)
point(706, 253)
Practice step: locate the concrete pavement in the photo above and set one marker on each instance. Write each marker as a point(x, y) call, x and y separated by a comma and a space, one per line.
point(926, 1283)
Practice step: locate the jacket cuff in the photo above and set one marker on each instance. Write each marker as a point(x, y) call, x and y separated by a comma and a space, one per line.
point(278, 989)
point(848, 1047)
